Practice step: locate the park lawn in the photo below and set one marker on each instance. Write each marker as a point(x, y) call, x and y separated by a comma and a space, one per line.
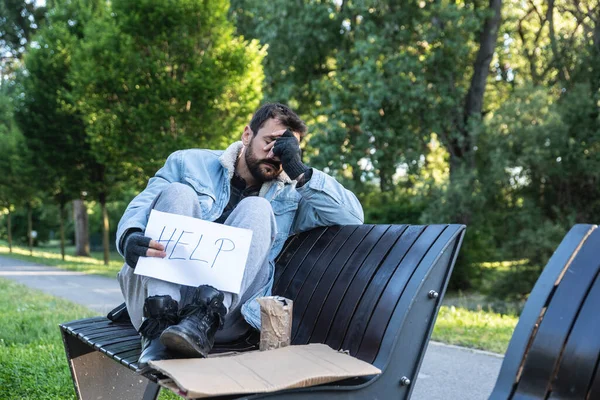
point(34, 365)
point(484, 330)
point(32, 357)
point(52, 257)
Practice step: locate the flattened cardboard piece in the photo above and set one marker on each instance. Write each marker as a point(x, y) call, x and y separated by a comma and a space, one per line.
point(275, 322)
point(262, 371)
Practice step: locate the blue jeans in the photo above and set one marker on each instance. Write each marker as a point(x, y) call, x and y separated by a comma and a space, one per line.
point(254, 213)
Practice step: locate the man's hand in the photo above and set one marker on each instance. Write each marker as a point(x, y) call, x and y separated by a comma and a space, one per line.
point(287, 148)
point(137, 245)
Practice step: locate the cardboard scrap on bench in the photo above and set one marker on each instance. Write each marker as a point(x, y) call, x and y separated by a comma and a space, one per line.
point(261, 371)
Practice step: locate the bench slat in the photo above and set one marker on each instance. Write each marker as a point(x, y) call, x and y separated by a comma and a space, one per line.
point(97, 327)
point(367, 305)
point(289, 251)
point(118, 332)
point(581, 353)
point(380, 318)
point(541, 360)
point(306, 289)
point(346, 274)
point(106, 343)
point(106, 332)
point(315, 305)
point(354, 294)
point(594, 392)
point(83, 322)
point(127, 357)
point(291, 281)
point(289, 270)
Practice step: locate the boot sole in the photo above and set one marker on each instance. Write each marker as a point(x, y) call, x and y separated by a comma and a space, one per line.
point(144, 369)
point(182, 344)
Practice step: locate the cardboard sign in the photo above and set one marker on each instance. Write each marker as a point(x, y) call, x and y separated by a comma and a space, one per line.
point(198, 252)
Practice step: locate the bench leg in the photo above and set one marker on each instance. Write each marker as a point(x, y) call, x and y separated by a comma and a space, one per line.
point(97, 376)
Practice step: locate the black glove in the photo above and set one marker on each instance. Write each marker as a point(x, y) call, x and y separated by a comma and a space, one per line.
point(288, 150)
point(136, 245)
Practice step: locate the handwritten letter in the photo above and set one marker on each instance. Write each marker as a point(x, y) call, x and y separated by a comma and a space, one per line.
point(198, 252)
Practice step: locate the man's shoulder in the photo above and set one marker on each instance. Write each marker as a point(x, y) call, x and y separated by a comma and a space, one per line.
point(190, 154)
point(197, 162)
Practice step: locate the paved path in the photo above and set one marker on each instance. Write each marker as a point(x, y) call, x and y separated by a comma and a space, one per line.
point(447, 373)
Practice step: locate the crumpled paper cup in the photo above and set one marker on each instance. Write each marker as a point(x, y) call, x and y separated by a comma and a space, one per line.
point(276, 322)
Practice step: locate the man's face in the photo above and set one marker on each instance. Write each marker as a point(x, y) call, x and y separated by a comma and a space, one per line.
point(263, 165)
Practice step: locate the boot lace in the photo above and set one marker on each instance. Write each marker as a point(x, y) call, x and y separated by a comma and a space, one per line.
point(153, 327)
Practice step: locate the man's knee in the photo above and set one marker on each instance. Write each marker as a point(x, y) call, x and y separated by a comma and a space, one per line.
point(178, 192)
point(256, 206)
point(254, 213)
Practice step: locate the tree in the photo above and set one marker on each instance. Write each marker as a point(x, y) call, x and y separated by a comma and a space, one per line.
point(151, 77)
point(46, 114)
point(301, 37)
point(20, 19)
point(17, 187)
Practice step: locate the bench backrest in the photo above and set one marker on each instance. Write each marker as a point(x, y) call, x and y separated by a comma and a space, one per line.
point(555, 348)
point(359, 288)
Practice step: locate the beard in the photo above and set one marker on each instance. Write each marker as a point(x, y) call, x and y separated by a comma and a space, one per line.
point(262, 170)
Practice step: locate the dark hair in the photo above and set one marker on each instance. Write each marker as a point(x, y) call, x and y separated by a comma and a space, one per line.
point(281, 113)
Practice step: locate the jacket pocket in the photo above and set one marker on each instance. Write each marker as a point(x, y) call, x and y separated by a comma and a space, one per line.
point(285, 211)
point(206, 197)
point(199, 188)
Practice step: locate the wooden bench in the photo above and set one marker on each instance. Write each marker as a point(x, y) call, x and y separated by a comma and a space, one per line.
point(374, 290)
point(554, 352)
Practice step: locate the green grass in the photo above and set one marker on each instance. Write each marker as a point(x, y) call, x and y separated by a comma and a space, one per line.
point(479, 329)
point(33, 364)
point(51, 256)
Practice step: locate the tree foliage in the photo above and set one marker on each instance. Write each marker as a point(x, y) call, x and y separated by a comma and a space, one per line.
point(19, 20)
point(152, 78)
point(513, 102)
point(483, 112)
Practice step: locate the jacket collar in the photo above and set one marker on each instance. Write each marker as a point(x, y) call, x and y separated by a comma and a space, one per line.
point(230, 155)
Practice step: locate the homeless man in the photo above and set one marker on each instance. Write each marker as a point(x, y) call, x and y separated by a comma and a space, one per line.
point(259, 184)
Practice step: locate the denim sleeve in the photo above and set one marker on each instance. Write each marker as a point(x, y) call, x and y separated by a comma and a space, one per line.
point(138, 210)
point(326, 202)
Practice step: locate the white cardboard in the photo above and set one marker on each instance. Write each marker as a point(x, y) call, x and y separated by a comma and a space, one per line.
point(198, 252)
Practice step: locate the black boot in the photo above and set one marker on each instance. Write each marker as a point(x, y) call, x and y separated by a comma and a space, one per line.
point(160, 312)
point(194, 335)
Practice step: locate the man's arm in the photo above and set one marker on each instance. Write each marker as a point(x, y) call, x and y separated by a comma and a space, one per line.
point(326, 202)
point(136, 215)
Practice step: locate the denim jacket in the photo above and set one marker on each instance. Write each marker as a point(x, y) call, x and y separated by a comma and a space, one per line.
point(321, 201)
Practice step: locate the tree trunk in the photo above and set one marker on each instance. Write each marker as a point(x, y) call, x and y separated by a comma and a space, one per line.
point(557, 59)
point(105, 228)
point(62, 229)
point(82, 238)
point(462, 150)
point(9, 227)
point(30, 228)
point(481, 69)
